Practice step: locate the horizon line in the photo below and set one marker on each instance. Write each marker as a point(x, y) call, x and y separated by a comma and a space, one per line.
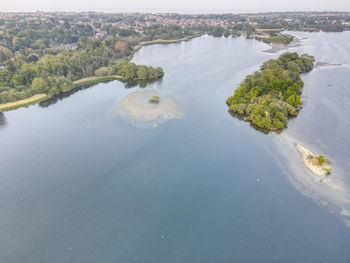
point(179, 13)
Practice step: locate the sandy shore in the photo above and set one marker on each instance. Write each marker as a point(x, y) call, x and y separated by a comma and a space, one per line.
point(162, 41)
point(21, 103)
point(40, 97)
point(311, 162)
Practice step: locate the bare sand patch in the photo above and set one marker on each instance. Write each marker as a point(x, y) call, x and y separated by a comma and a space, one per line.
point(311, 162)
point(20, 103)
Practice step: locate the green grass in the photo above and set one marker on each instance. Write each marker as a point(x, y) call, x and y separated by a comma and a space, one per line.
point(280, 39)
point(23, 103)
point(163, 41)
point(40, 97)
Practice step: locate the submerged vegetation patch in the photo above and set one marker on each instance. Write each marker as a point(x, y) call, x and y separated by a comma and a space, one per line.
point(146, 108)
point(270, 96)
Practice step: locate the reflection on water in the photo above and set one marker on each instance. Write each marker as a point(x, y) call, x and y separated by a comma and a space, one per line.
point(326, 64)
point(53, 100)
point(142, 83)
point(56, 98)
point(2, 119)
point(136, 109)
point(326, 191)
point(79, 185)
point(242, 118)
point(322, 124)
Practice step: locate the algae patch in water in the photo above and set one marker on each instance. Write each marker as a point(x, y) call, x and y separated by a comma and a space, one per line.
point(137, 108)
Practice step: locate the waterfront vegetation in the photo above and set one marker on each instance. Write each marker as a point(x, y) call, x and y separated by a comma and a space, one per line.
point(270, 96)
point(154, 99)
point(321, 160)
point(55, 73)
point(34, 58)
point(22, 103)
point(94, 80)
point(281, 39)
point(130, 71)
point(50, 53)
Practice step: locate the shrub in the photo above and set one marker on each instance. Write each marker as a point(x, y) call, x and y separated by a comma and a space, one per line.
point(321, 160)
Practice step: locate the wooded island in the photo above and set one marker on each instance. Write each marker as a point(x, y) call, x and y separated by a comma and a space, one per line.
point(270, 96)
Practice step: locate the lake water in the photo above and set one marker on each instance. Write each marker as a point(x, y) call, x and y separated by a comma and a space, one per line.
point(80, 184)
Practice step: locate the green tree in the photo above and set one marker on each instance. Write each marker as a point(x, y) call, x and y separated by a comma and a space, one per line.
point(294, 100)
point(294, 67)
point(321, 160)
point(39, 85)
point(5, 54)
point(128, 71)
point(142, 72)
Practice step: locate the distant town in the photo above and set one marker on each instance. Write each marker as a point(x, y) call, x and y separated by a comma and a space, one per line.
point(139, 22)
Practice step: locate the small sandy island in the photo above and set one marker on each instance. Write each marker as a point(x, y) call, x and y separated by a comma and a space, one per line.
point(275, 48)
point(147, 106)
point(318, 165)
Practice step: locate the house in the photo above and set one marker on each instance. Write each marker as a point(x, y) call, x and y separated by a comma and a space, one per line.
point(99, 34)
point(65, 47)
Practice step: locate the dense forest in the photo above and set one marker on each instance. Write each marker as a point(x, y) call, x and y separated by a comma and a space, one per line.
point(57, 69)
point(270, 96)
point(41, 57)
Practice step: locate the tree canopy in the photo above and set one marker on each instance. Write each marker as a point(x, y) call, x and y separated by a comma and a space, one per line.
point(270, 96)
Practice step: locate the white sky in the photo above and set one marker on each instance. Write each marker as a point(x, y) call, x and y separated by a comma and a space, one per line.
point(178, 6)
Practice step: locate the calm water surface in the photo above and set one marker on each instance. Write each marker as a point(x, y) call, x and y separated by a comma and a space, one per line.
point(78, 184)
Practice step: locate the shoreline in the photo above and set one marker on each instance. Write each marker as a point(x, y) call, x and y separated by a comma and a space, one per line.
point(23, 103)
point(86, 81)
point(80, 83)
point(310, 161)
point(89, 80)
point(162, 41)
point(95, 80)
point(41, 97)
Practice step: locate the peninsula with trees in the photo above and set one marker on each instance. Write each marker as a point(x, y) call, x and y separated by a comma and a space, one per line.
point(270, 96)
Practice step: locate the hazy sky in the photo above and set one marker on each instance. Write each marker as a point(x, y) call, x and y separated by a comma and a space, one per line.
point(179, 6)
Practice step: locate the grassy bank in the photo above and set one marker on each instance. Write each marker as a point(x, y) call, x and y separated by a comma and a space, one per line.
point(163, 41)
point(280, 39)
point(270, 29)
point(22, 103)
point(40, 97)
